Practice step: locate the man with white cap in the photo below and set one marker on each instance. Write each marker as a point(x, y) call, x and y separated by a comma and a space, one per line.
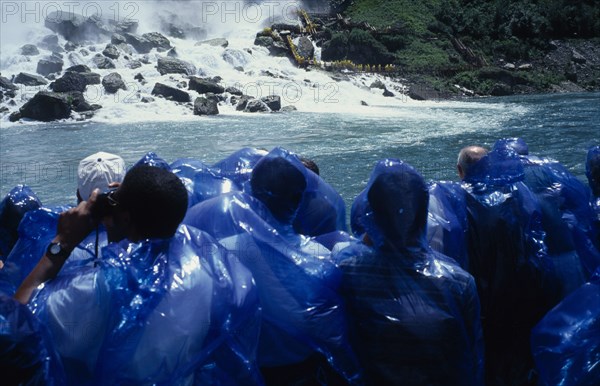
point(98, 170)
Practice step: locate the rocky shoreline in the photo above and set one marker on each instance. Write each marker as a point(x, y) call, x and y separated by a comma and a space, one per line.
point(95, 50)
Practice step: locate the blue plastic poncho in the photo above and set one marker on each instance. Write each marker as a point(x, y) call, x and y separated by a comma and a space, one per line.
point(447, 221)
point(152, 159)
point(567, 219)
point(516, 280)
point(414, 312)
point(295, 278)
point(321, 210)
point(593, 162)
point(201, 181)
point(238, 166)
point(20, 200)
point(566, 343)
point(166, 311)
point(27, 355)
point(36, 230)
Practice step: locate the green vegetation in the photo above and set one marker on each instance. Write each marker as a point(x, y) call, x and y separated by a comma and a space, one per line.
point(447, 42)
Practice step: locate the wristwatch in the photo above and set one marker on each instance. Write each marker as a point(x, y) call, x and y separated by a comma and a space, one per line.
point(57, 251)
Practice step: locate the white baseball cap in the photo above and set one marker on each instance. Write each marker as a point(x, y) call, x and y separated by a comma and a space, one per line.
point(97, 171)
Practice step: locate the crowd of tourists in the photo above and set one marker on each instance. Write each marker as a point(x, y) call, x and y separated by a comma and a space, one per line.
point(245, 273)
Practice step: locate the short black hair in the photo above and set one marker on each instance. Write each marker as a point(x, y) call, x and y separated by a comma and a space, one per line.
point(279, 185)
point(155, 198)
point(310, 165)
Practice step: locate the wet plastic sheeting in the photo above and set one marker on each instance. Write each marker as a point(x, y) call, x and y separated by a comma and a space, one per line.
point(566, 343)
point(36, 230)
point(155, 312)
point(27, 355)
point(238, 166)
point(20, 200)
point(295, 278)
point(414, 312)
point(516, 279)
point(447, 221)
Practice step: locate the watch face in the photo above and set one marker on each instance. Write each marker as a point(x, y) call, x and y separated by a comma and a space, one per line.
point(55, 249)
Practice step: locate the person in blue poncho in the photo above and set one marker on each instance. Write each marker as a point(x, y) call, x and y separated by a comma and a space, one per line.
point(414, 313)
point(295, 277)
point(166, 304)
point(515, 278)
point(17, 203)
point(592, 171)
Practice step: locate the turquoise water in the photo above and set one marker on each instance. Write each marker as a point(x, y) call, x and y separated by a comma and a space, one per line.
point(344, 145)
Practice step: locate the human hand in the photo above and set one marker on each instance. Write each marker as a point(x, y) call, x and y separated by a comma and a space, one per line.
point(76, 223)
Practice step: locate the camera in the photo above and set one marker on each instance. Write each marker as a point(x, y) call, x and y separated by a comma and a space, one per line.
point(105, 202)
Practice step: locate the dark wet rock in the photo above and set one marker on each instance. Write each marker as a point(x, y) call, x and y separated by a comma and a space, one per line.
point(113, 82)
point(46, 106)
point(77, 28)
point(172, 53)
point(117, 39)
point(49, 65)
point(217, 42)
point(273, 102)
point(139, 43)
point(147, 99)
point(501, 89)
point(203, 86)
point(7, 84)
point(30, 79)
point(378, 84)
point(70, 46)
point(275, 47)
point(501, 75)
point(29, 50)
point(388, 93)
point(111, 51)
point(133, 64)
point(234, 91)
point(157, 40)
point(239, 68)
point(205, 106)
point(15, 116)
point(571, 73)
point(243, 102)
point(295, 28)
point(288, 108)
point(126, 26)
point(256, 106)
point(49, 42)
point(175, 66)
point(79, 68)
point(4, 110)
point(70, 81)
point(102, 62)
point(578, 58)
point(11, 102)
point(145, 59)
point(84, 52)
point(139, 77)
point(170, 93)
point(305, 48)
point(363, 103)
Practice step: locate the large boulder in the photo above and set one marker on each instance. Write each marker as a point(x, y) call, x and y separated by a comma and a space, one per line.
point(205, 106)
point(256, 106)
point(46, 106)
point(89, 76)
point(29, 50)
point(49, 65)
point(175, 66)
point(111, 51)
point(77, 28)
point(217, 42)
point(30, 79)
point(243, 102)
point(102, 62)
point(7, 84)
point(157, 40)
point(306, 48)
point(273, 102)
point(139, 43)
point(70, 81)
point(113, 82)
point(275, 47)
point(50, 43)
point(170, 93)
point(117, 39)
point(203, 86)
